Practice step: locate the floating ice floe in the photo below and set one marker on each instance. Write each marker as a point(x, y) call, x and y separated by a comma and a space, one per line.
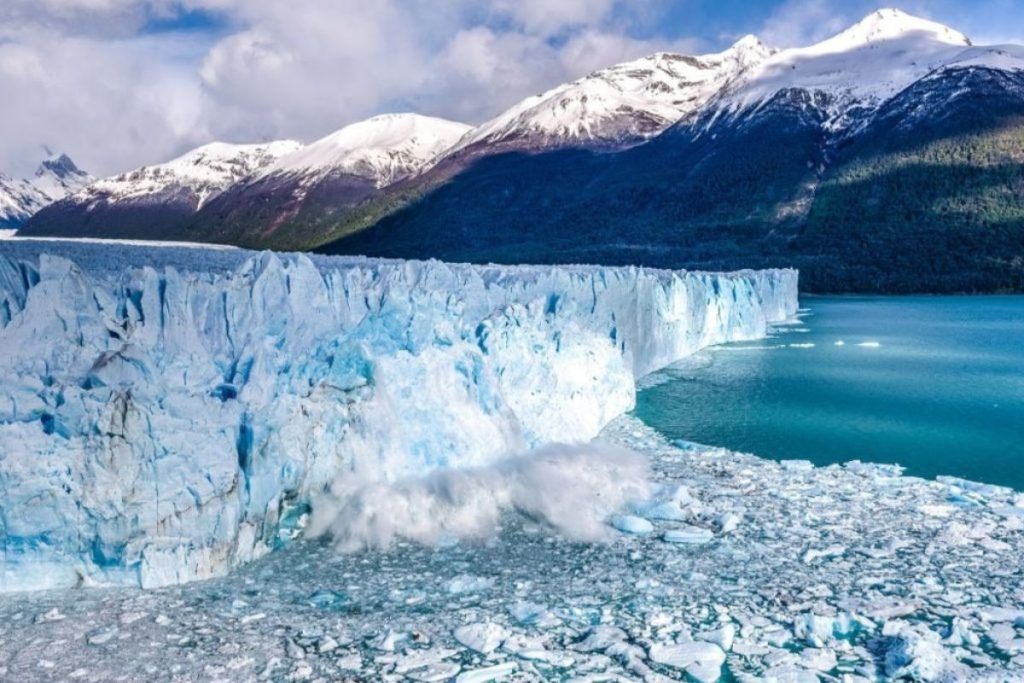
point(688, 535)
point(701, 660)
point(484, 638)
point(631, 524)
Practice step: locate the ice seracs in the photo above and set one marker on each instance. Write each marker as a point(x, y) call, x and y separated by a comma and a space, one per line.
point(384, 149)
point(159, 426)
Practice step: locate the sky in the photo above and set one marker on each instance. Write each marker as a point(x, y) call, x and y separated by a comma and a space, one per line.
point(121, 83)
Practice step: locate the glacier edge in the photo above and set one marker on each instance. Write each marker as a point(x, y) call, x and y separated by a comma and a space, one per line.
point(163, 425)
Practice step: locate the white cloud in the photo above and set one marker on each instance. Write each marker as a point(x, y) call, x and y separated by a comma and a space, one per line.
point(804, 22)
point(104, 102)
point(546, 17)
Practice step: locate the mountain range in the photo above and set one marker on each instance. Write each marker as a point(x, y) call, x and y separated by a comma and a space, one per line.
point(888, 158)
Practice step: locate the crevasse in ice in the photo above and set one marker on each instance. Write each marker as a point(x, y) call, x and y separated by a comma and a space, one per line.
point(159, 426)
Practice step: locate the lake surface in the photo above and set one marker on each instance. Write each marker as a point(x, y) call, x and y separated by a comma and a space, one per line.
point(935, 384)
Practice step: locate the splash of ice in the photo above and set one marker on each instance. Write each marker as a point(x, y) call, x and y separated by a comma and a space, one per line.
point(571, 488)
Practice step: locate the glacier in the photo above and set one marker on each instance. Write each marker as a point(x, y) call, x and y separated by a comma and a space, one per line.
point(166, 424)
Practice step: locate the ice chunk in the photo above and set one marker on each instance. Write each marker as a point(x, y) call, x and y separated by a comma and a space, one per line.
point(723, 636)
point(700, 660)
point(484, 638)
point(915, 652)
point(688, 535)
point(631, 524)
point(440, 671)
point(530, 614)
point(488, 673)
point(467, 583)
point(729, 522)
point(671, 503)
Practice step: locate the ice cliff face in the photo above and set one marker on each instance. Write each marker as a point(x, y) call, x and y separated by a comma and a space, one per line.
point(160, 426)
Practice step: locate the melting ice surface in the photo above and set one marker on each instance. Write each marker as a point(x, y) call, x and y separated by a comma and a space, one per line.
point(160, 425)
point(935, 384)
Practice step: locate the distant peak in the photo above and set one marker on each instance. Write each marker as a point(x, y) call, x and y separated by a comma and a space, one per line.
point(889, 24)
point(384, 147)
point(747, 50)
point(748, 42)
point(61, 166)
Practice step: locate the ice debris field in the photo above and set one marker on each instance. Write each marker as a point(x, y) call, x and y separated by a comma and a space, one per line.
point(166, 425)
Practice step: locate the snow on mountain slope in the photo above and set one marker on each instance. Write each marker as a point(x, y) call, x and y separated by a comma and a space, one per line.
point(19, 199)
point(160, 426)
point(203, 173)
point(621, 104)
point(56, 178)
point(859, 68)
point(1000, 57)
point(384, 149)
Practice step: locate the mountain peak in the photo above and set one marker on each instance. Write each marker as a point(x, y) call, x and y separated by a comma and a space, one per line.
point(60, 166)
point(56, 178)
point(620, 105)
point(749, 43)
point(892, 24)
point(383, 148)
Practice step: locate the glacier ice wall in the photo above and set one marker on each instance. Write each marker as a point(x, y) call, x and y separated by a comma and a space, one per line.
point(159, 426)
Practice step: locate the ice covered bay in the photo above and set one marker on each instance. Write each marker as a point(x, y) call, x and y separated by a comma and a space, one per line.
point(839, 573)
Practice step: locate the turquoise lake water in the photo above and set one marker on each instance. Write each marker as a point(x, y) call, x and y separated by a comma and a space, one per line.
point(935, 384)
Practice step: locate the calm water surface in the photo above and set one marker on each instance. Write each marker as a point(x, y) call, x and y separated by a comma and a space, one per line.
point(935, 384)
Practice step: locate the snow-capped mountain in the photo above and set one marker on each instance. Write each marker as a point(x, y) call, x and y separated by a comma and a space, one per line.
point(748, 157)
point(274, 180)
point(318, 186)
point(202, 173)
point(622, 104)
point(384, 149)
point(155, 201)
point(19, 199)
point(857, 70)
point(885, 159)
point(56, 178)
